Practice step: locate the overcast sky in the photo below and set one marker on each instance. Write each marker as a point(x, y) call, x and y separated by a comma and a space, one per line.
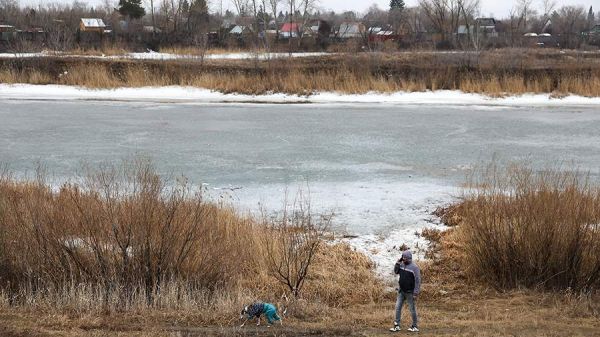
point(497, 8)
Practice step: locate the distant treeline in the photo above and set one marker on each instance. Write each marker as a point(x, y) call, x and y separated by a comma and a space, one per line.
point(293, 24)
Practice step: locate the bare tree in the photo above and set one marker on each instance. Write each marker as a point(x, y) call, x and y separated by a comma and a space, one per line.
point(307, 7)
point(292, 243)
point(569, 21)
point(548, 7)
point(273, 5)
point(470, 8)
point(241, 6)
point(446, 15)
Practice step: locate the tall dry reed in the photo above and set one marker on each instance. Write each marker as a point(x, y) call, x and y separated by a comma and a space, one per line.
point(521, 227)
point(493, 73)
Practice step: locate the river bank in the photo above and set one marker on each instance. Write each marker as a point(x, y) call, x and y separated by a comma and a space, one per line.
point(192, 95)
point(492, 73)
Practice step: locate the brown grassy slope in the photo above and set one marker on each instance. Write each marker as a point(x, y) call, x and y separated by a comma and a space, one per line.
point(342, 297)
point(493, 73)
point(451, 305)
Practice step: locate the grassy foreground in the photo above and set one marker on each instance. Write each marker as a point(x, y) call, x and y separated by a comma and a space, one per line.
point(451, 305)
point(494, 73)
point(46, 293)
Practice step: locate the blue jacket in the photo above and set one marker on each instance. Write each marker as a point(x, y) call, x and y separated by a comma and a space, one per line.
point(409, 274)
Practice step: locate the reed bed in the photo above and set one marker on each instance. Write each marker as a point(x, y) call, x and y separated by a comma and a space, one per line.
point(536, 229)
point(491, 75)
point(123, 238)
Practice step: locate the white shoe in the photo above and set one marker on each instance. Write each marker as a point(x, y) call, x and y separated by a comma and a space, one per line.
point(395, 328)
point(413, 329)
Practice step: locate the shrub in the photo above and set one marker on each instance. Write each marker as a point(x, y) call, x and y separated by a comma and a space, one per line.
point(522, 227)
point(124, 238)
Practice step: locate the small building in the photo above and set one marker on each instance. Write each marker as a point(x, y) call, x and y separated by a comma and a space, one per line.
point(319, 28)
point(7, 32)
point(34, 34)
point(241, 30)
point(481, 28)
point(290, 29)
point(592, 35)
point(382, 34)
point(151, 29)
point(350, 30)
point(239, 36)
point(543, 40)
point(91, 25)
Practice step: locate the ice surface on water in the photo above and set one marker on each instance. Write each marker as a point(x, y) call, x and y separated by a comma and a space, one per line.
point(378, 217)
point(381, 169)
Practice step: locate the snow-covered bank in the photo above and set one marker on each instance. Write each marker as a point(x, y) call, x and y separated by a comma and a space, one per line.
point(197, 95)
point(380, 216)
point(167, 56)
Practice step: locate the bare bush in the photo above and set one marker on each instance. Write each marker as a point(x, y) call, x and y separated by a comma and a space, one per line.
point(122, 230)
point(533, 228)
point(293, 244)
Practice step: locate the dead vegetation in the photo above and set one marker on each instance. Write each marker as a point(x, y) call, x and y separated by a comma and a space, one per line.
point(63, 253)
point(496, 73)
point(122, 238)
point(534, 229)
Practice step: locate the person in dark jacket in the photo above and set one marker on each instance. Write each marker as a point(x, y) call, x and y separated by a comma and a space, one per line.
point(409, 286)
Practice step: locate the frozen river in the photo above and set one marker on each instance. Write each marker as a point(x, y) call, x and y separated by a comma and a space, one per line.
point(380, 168)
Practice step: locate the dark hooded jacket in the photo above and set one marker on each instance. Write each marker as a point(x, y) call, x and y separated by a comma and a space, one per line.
point(409, 274)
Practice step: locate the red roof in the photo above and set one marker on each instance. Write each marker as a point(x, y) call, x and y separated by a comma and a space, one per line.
point(290, 27)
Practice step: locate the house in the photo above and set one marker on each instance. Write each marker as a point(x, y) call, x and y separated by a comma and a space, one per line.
point(543, 40)
point(349, 30)
point(7, 32)
point(593, 35)
point(239, 35)
point(151, 29)
point(382, 34)
point(592, 32)
point(35, 34)
point(290, 29)
point(241, 30)
point(481, 28)
point(322, 29)
point(91, 25)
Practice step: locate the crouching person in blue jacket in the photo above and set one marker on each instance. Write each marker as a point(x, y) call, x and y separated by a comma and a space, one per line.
point(409, 280)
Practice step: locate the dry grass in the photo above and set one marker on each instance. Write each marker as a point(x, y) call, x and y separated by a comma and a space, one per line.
point(452, 303)
point(125, 239)
point(534, 229)
point(495, 73)
point(50, 294)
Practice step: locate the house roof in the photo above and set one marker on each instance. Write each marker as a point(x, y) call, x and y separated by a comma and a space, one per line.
point(93, 23)
point(351, 29)
point(486, 21)
point(239, 29)
point(151, 29)
point(290, 27)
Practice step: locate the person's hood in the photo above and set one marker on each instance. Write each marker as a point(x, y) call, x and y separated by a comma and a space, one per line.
point(407, 256)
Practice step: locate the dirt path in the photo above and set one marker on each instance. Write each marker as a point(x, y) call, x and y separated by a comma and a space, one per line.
point(534, 329)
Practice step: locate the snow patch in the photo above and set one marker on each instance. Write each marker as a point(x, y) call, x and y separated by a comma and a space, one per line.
point(199, 95)
point(151, 55)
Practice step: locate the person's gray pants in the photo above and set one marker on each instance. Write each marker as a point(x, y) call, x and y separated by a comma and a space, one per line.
point(408, 297)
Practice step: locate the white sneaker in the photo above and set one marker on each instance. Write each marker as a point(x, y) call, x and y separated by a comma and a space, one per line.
point(395, 328)
point(413, 329)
